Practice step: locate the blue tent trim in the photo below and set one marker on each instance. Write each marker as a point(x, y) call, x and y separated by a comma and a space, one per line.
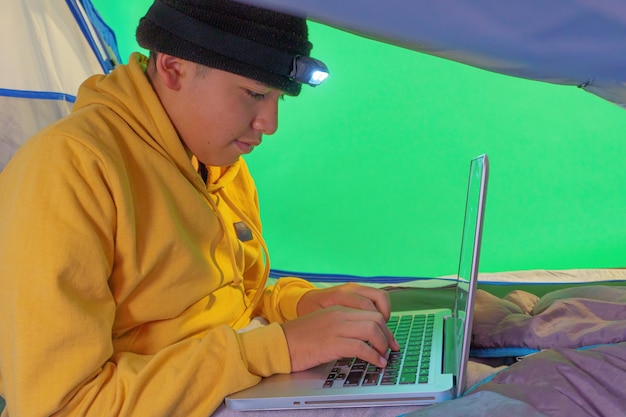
point(339, 278)
point(39, 95)
point(107, 41)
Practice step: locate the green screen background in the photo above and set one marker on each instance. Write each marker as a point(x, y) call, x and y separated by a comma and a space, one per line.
point(367, 173)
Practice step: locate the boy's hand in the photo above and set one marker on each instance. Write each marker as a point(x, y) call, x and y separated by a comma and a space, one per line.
point(344, 321)
point(348, 295)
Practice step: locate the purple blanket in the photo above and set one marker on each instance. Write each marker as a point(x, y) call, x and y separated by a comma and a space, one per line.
point(581, 370)
point(569, 318)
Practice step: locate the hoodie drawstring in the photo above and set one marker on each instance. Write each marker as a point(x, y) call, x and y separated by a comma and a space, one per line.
point(238, 278)
point(259, 237)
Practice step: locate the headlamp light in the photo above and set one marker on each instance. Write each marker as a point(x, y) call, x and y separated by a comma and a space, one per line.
point(307, 70)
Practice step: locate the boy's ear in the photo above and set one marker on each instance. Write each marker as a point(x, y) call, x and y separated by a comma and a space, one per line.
point(171, 69)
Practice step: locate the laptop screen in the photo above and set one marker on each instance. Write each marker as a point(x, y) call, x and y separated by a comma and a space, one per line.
point(468, 263)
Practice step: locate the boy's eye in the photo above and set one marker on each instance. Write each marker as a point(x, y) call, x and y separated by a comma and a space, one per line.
point(255, 95)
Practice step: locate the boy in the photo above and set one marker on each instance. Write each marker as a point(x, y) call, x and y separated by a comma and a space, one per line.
point(131, 257)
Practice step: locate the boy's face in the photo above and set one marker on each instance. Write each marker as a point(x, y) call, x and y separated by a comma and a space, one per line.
point(219, 115)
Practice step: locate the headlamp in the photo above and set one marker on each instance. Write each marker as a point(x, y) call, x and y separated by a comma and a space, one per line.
point(307, 70)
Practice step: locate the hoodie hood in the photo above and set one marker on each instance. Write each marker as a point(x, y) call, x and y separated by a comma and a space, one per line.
point(127, 92)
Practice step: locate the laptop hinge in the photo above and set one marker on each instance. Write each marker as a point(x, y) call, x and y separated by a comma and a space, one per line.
point(450, 354)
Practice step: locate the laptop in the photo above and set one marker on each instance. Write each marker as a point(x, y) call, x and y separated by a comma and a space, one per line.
point(432, 364)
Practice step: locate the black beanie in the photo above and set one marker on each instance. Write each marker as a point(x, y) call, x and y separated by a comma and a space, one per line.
point(227, 19)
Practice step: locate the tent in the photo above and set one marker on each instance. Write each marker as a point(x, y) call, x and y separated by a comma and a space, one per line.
point(49, 48)
point(374, 161)
point(368, 175)
point(569, 42)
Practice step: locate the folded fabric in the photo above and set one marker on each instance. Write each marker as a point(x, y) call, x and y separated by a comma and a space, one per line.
point(554, 382)
point(570, 318)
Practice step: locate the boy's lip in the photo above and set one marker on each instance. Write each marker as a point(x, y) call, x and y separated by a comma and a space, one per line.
point(247, 147)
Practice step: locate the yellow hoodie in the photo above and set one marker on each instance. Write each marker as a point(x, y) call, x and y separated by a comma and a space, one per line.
point(124, 276)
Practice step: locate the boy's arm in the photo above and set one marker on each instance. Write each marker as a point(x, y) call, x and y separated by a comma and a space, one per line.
point(58, 309)
point(280, 301)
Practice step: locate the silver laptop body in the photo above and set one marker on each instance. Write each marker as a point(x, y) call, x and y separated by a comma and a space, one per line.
point(438, 375)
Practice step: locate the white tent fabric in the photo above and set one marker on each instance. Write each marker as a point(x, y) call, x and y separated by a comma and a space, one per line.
point(570, 42)
point(48, 48)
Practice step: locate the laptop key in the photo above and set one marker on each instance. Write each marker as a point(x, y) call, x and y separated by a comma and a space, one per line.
point(371, 379)
point(408, 378)
point(388, 380)
point(353, 379)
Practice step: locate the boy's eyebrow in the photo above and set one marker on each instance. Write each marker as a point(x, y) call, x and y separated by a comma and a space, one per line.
point(267, 89)
point(263, 85)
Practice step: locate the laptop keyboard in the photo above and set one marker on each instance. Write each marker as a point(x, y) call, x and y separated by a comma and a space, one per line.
point(409, 365)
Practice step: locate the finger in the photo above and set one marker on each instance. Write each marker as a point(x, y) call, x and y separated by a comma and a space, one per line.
point(372, 328)
point(383, 306)
point(356, 301)
point(379, 339)
point(373, 299)
point(362, 350)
